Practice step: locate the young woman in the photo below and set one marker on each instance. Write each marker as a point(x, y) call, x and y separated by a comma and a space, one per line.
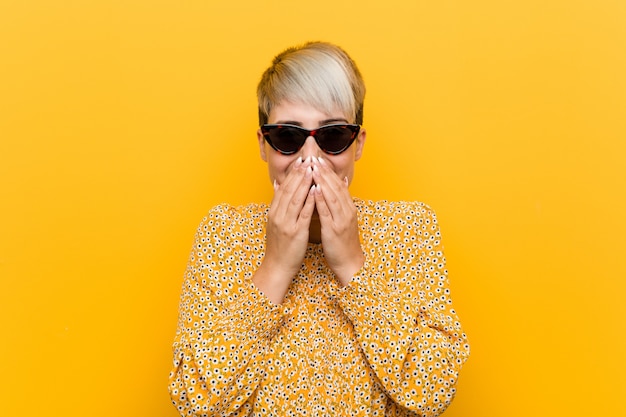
point(321, 304)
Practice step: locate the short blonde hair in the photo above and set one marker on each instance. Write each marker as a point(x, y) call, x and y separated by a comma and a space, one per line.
point(319, 74)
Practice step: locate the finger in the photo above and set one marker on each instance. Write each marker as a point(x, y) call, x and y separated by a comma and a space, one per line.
point(292, 173)
point(309, 206)
point(328, 175)
point(334, 193)
point(320, 203)
point(300, 194)
point(291, 195)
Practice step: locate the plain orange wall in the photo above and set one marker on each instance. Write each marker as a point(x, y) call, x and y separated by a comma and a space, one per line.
point(123, 122)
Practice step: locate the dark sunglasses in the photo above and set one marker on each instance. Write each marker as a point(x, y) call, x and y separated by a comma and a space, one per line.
point(332, 139)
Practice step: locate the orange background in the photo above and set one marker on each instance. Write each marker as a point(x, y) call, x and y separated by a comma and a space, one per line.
point(123, 122)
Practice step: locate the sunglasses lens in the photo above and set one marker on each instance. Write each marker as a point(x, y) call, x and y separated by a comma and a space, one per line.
point(332, 139)
point(287, 139)
point(335, 139)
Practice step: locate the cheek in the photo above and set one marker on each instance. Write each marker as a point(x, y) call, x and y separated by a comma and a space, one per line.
point(343, 164)
point(279, 166)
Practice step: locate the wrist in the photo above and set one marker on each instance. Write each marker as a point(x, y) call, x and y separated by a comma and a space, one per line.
point(345, 274)
point(272, 282)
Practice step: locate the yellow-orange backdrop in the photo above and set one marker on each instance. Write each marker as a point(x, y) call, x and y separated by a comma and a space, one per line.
point(122, 122)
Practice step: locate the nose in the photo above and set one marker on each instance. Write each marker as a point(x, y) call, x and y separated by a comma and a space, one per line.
point(310, 148)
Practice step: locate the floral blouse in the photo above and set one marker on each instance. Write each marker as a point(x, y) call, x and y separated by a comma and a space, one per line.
point(387, 344)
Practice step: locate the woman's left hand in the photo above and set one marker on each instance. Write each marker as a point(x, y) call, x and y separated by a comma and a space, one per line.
point(338, 219)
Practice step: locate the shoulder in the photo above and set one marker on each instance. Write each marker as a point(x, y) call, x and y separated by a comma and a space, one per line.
point(227, 211)
point(226, 216)
point(411, 222)
point(403, 211)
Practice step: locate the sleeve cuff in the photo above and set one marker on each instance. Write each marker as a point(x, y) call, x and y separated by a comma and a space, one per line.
point(254, 314)
point(356, 298)
point(368, 301)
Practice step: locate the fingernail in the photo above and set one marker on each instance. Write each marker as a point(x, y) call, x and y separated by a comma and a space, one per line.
point(275, 185)
point(298, 162)
point(345, 179)
point(321, 161)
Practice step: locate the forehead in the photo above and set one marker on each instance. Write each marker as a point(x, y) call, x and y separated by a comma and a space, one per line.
point(304, 114)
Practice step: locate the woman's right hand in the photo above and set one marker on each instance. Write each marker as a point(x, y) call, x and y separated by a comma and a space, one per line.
point(287, 231)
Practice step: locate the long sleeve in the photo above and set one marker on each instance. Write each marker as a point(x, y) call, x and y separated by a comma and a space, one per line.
point(388, 344)
point(225, 323)
point(399, 304)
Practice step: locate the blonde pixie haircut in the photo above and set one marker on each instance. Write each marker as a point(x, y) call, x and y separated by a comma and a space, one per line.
point(319, 74)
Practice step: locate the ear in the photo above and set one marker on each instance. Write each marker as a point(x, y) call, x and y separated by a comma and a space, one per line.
point(261, 140)
point(360, 143)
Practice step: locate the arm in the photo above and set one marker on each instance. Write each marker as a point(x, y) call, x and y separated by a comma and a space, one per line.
point(225, 325)
point(229, 309)
point(399, 304)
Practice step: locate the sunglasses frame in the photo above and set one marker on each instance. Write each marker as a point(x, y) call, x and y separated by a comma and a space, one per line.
point(266, 128)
